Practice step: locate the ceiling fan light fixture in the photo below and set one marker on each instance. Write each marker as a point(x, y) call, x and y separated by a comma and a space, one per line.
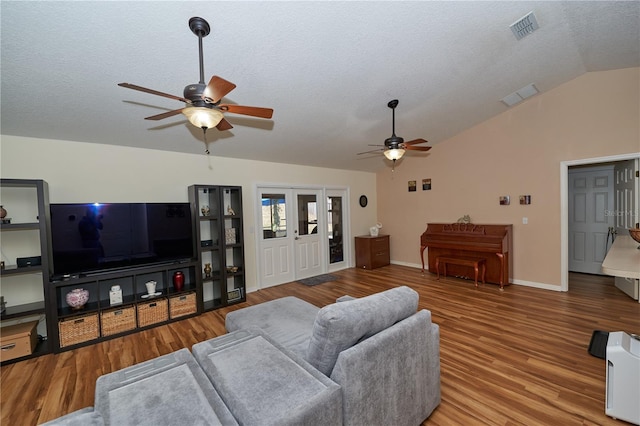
point(394, 153)
point(203, 117)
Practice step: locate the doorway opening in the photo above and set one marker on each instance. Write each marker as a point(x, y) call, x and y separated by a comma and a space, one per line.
point(564, 205)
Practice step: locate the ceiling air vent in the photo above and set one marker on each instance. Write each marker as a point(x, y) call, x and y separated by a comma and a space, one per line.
point(524, 26)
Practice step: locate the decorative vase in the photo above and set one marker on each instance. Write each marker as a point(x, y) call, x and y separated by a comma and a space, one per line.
point(77, 298)
point(3, 213)
point(207, 270)
point(178, 280)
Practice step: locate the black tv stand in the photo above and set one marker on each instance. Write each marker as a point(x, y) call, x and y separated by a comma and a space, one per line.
point(99, 319)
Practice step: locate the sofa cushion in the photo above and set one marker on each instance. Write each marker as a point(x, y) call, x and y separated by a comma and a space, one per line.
point(84, 417)
point(341, 325)
point(287, 320)
point(264, 384)
point(171, 389)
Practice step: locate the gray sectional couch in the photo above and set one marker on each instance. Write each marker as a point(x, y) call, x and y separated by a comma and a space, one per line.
point(384, 354)
point(368, 361)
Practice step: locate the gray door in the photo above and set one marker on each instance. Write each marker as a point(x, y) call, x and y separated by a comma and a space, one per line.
point(591, 217)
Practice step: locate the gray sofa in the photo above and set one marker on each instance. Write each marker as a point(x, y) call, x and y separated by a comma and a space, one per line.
point(384, 354)
point(368, 361)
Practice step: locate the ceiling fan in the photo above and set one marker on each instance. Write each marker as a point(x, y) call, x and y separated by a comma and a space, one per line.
point(203, 102)
point(395, 146)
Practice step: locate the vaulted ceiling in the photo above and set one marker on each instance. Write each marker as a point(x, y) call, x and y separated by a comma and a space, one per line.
point(328, 69)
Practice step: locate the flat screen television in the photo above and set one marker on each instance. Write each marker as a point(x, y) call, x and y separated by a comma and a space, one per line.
point(93, 238)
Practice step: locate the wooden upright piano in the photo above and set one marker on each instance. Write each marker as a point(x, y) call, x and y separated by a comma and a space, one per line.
point(491, 242)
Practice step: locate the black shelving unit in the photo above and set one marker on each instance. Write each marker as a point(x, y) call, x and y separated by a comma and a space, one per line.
point(218, 227)
point(28, 219)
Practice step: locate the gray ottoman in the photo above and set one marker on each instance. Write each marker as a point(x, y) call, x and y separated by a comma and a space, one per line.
point(169, 390)
point(264, 384)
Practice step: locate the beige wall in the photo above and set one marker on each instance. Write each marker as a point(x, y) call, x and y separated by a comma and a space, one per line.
point(518, 152)
point(85, 172)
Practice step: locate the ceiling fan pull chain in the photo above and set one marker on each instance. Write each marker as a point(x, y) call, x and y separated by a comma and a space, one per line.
point(206, 144)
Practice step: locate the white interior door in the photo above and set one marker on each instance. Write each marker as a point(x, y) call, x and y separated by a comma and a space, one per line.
point(591, 215)
point(626, 199)
point(275, 239)
point(309, 232)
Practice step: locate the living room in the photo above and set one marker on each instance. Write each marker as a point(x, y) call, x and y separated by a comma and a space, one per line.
point(590, 119)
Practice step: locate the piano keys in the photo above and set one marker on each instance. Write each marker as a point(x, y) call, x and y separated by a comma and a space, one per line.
point(491, 242)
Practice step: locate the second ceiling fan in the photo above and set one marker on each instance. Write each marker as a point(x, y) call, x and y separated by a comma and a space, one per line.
point(395, 146)
point(204, 107)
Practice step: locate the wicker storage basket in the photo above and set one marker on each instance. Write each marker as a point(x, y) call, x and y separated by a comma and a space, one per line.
point(78, 329)
point(152, 312)
point(182, 305)
point(114, 321)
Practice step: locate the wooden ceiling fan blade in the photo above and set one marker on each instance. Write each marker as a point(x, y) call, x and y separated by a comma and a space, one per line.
point(416, 141)
point(153, 92)
point(224, 125)
point(164, 115)
point(417, 148)
point(217, 89)
point(247, 110)
point(371, 151)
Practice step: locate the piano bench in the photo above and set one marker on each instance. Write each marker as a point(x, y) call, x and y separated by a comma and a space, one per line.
point(475, 262)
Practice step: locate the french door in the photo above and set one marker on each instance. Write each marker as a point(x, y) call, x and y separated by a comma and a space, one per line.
point(300, 233)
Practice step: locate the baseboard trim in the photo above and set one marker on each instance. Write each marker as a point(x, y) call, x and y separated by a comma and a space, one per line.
point(525, 283)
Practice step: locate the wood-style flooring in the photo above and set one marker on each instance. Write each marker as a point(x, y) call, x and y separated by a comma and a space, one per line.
point(513, 357)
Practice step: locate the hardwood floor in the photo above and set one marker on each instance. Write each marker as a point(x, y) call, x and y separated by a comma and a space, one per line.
point(507, 358)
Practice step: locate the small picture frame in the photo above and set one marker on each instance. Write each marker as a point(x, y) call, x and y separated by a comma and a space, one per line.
point(505, 200)
point(412, 186)
point(230, 235)
point(426, 184)
point(525, 199)
point(235, 294)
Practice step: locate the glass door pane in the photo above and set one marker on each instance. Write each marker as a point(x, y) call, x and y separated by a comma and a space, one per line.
point(334, 229)
point(307, 214)
point(274, 216)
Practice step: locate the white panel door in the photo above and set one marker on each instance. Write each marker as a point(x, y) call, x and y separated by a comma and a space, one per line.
point(591, 215)
point(626, 189)
point(309, 232)
point(275, 239)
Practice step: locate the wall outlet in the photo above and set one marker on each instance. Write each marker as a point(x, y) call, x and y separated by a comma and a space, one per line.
point(525, 220)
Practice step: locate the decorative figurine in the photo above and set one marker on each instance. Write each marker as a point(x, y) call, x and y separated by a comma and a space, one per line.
point(373, 231)
point(205, 210)
point(230, 211)
point(207, 270)
point(465, 219)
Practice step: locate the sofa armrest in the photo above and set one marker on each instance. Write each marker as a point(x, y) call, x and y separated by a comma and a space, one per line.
point(399, 371)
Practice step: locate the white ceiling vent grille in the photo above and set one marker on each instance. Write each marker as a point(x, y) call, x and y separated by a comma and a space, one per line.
point(520, 95)
point(524, 26)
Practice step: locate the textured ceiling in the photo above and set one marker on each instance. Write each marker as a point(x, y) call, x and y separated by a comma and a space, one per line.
point(327, 69)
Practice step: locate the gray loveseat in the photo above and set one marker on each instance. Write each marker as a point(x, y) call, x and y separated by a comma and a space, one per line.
point(384, 354)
